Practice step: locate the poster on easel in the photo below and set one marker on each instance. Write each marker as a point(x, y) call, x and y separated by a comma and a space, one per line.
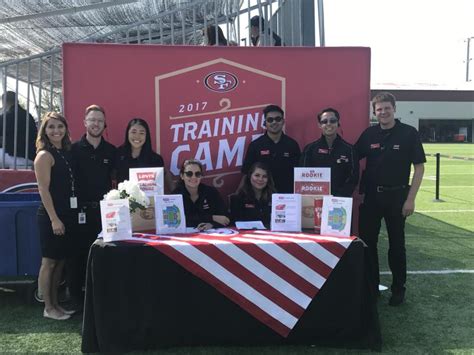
point(170, 216)
point(312, 181)
point(286, 213)
point(116, 222)
point(336, 216)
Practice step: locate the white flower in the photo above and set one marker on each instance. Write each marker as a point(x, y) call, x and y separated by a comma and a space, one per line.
point(112, 195)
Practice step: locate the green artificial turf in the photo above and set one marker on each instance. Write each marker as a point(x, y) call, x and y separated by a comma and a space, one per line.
point(436, 319)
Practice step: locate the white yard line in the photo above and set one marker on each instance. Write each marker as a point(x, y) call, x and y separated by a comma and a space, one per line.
point(449, 187)
point(441, 211)
point(433, 272)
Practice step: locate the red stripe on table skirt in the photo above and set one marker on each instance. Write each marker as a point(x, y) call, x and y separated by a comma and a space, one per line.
point(252, 280)
point(203, 274)
point(280, 269)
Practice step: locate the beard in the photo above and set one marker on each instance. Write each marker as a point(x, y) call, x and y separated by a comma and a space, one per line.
point(97, 134)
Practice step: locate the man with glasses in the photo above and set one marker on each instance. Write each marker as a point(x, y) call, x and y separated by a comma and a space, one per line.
point(278, 151)
point(331, 151)
point(390, 147)
point(93, 162)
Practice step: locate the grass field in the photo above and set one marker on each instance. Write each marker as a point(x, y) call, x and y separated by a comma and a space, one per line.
point(436, 319)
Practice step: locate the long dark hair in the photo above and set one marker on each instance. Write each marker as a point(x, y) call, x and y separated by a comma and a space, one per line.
point(247, 189)
point(146, 150)
point(211, 36)
point(42, 140)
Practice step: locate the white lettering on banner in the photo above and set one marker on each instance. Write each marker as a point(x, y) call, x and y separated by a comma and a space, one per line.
point(225, 127)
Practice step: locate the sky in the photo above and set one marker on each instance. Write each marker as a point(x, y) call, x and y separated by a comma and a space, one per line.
point(412, 41)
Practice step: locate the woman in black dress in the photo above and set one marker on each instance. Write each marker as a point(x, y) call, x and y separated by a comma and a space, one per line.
point(136, 152)
point(253, 200)
point(57, 210)
point(203, 205)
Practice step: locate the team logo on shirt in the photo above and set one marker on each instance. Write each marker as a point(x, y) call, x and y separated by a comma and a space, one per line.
point(396, 146)
point(375, 146)
point(249, 205)
point(205, 205)
point(221, 81)
point(286, 155)
point(323, 151)
point(265, 152)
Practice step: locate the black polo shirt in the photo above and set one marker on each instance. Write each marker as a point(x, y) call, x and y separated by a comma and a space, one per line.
point(93, 169)
point(281, 158)
point(390, 154)
point(124, 162)
point(246, 208)
point(341, 158)
point(209, 203)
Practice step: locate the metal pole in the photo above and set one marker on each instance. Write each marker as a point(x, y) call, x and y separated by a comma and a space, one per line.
point(437, 199)
point(322, 41)
point(468, 59)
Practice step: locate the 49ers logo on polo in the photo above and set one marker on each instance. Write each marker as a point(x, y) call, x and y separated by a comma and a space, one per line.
point(221, 81)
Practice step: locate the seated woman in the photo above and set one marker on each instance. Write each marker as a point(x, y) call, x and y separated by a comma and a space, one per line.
point(136, 152)
point(253, 200)
point(203, 205)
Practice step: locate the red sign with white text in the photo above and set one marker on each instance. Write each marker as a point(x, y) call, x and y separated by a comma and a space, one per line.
point(206, 102)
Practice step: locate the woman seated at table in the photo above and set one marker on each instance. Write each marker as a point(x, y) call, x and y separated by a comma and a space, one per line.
point(203, 205)
point(253, 200)
point(136, 152)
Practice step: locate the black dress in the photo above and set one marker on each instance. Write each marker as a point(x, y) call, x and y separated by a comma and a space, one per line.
point(58, 246)
point(209, 203)
point(124, 162)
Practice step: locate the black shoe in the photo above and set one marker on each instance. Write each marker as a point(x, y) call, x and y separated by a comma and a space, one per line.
point(397, 299)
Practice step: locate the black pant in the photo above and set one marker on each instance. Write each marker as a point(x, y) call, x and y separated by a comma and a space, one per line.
point(387, 205)
point(84, 236)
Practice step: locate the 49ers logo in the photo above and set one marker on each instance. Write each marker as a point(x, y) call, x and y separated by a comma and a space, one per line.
point(221, 81)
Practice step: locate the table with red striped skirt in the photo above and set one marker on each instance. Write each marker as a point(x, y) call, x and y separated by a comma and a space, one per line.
point(228, 287)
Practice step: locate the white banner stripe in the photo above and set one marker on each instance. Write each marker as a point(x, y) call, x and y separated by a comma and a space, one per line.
point(234, 283)
point(288, 260)
point(262, 272)
point(311, 247)
point(344, 241)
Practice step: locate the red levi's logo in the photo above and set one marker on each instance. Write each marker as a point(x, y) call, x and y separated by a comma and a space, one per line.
point(375, 146)
point(265, 152)
point(323, 151)
point(146, 176)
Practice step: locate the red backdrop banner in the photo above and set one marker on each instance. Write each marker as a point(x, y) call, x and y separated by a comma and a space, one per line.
point(206, 102)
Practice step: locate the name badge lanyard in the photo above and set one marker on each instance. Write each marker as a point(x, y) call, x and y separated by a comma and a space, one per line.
point(73, 198)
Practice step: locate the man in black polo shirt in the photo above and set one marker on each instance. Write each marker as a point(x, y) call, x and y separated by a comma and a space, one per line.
point(390, 147)
point(331, 151)
point(280, 152)
point(93, 162)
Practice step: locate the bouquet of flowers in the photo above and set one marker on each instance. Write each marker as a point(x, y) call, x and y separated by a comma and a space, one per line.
point(130, 191)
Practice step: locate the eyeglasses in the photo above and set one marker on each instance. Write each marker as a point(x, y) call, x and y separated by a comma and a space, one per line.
point(189, 174)
point(276, 119)
point(95, 121)
point(331, 120)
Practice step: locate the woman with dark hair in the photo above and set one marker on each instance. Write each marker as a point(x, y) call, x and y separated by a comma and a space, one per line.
point(203, 205)
point(136, 152)
point(53, 170)
point(252, 201)
point(210, 36)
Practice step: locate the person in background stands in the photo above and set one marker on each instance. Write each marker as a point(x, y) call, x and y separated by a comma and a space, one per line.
point(136, 152)
point(23, 129)
point(203, 205)
point(253, 200)
point(210, 36)
point(277, 150)
point(261, 37)
point(58, 210)
point(93, 161)
point(331, 151)
point(390, 147)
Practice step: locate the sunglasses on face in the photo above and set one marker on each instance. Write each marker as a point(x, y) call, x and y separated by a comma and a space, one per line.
point(276, 119)
point(331, 120)
point(189, 174)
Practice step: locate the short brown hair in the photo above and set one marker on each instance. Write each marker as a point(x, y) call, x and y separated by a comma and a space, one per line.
point(94, 108)
point(190, 162)
point(383, 97)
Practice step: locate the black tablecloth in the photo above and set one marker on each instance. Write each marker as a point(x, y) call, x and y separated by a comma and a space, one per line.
point(138, 299)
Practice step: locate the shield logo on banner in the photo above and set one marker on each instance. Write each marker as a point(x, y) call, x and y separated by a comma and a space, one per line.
point(211, 112)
